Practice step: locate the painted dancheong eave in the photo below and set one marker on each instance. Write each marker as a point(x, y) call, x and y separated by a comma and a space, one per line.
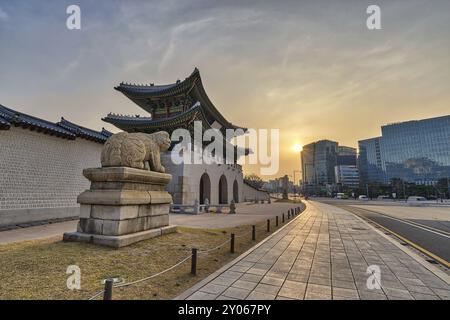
point(170, 104)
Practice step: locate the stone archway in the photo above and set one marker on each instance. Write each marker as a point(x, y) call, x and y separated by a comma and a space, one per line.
point(223, 190)
point(235, 191)
point(205, 189)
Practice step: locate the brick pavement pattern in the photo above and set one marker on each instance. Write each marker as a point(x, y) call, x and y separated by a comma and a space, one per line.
point(324, 254)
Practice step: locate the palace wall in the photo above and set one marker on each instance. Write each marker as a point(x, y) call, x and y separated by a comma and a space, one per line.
point(250, 193)
point(41, 175)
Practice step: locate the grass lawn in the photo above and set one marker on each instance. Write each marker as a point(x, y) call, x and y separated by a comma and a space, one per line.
point(37, 269)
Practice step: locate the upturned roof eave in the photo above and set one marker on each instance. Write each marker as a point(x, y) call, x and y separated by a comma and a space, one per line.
point(134, 91)
point(140, 94)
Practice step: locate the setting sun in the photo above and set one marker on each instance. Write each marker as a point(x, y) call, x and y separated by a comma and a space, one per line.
point(297, 147)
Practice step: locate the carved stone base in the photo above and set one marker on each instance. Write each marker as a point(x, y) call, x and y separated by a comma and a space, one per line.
point(118, 241)
point(123, 205)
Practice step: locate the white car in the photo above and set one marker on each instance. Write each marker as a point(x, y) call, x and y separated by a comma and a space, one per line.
point(416, 199)
point(363, 198)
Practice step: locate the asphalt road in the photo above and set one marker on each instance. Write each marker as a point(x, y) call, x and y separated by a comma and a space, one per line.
point(427, 234)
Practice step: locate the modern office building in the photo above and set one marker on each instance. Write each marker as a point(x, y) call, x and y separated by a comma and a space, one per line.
point(347, 176)
point(326, 164)
point(346, 170)
point(346, 151)
point(346, 156)
point(416, 151)
point(370, 164)
point(326, 167)
point(307, 160)
point(318, 161)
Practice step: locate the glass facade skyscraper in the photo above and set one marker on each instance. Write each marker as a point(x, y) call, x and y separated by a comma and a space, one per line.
point(318, 161)
point(346, 171)
point(370, 164)
point(415, 151)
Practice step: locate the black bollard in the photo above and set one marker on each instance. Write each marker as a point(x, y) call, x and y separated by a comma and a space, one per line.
point(107, 294)
point(232, 243)
point(253, 232)
point(194, 261)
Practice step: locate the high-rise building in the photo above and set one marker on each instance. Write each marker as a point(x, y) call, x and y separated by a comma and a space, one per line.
point(346, 171)
point(346, 156)
point(347, 175)
point(318, 161)
point(370, 164)
point(416, 151)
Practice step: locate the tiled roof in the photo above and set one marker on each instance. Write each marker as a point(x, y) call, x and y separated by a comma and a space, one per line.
point(137, 90)
point(83, 132)
point(140, 88)
point(64, 128)
point(192, 87)
point(4, 125)
point(129, 122)
point(106, 133)
point(20, 119)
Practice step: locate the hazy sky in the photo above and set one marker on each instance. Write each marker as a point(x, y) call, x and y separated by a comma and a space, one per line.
point(310, 68)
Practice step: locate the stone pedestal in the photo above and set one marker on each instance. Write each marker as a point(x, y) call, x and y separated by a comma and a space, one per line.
point(124, 205)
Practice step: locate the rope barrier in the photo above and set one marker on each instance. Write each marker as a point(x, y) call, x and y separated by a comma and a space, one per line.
point(204, 251)
point(120, 285)
point(215, 248)
point(243, 235)
point(96, 295)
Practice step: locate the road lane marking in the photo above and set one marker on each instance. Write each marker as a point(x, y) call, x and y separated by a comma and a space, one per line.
point(414, 224)
point(412, 244)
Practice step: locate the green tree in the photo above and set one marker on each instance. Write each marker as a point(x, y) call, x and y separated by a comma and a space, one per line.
point(254, 180)
point(443, 186)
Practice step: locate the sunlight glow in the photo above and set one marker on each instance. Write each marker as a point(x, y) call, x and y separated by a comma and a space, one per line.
point(297, 147)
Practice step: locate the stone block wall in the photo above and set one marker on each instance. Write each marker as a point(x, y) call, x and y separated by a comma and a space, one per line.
point(250, 193)
point(42, 173)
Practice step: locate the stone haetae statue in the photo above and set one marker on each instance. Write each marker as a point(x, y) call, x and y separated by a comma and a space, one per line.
point(134, 150)
point(127, 201)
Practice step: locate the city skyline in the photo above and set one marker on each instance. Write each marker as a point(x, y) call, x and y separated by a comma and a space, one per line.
point(324, 75)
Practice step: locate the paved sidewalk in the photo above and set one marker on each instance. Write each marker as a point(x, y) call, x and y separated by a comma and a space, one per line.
point(37, 232)
point(246, 214)
point(324, 254)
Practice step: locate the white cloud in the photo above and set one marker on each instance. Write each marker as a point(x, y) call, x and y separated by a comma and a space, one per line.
point(3, 15)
